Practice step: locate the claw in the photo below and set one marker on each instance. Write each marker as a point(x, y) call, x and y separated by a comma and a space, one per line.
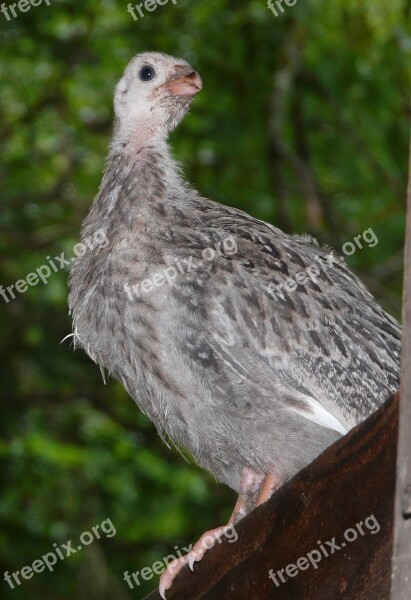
point(162, 590)
point(191, 562)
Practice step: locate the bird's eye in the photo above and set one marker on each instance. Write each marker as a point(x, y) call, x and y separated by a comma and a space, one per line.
point(147, 73)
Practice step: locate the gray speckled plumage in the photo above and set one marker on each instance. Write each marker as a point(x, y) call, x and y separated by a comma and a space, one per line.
point(239, 376)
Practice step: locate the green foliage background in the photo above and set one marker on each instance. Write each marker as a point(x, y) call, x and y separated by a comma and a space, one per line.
point(303, 121)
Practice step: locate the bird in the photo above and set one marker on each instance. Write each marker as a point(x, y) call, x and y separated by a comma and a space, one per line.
point(189, 305)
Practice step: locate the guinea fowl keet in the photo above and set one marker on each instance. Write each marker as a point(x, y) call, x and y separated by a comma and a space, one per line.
point(179, 307)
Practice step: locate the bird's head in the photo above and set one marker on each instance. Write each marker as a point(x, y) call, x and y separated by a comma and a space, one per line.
point(153, 95)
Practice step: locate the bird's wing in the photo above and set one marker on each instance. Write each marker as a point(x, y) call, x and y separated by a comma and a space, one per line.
point(322, 336)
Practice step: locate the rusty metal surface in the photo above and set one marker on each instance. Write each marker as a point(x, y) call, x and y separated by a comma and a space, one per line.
point(352, 480)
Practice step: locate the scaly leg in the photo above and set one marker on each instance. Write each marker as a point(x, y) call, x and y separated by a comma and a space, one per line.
point(255, 488)
point(270, 485)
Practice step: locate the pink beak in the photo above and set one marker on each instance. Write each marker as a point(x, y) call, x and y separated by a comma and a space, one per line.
point(188, 86)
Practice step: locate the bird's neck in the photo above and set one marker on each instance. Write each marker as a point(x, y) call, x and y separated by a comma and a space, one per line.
point(131, 137)
point(135, 185)
point(149, 167)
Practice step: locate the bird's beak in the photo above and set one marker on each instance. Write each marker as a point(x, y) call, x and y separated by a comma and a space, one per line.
point(188, 86)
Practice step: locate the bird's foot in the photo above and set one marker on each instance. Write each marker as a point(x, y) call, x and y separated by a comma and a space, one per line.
point(255, 488)
point(167, 577)
point(206, 541)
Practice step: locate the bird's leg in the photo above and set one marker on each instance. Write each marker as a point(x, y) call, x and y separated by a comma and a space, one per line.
point(270, 485)
point(251, 488)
